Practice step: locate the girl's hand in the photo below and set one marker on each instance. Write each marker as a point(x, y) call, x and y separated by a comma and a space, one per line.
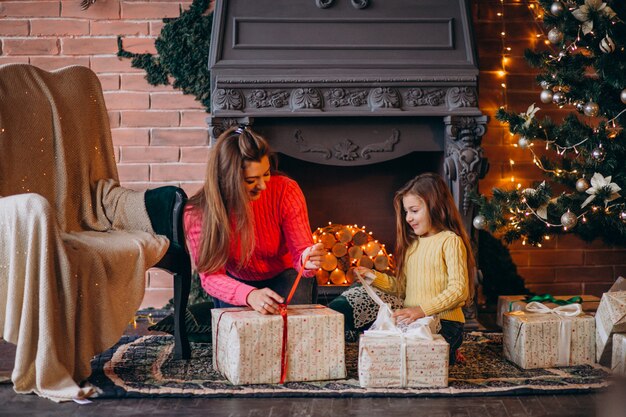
point(265, 301)
point(316, 254)
point(367, 274)
point(408, 315)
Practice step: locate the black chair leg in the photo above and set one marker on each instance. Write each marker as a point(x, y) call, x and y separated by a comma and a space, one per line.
point(182, 287)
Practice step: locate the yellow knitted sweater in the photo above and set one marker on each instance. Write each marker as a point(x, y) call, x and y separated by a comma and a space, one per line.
point(436, 276)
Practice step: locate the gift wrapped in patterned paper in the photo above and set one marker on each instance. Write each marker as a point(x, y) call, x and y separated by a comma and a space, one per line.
point(544, 337)
point(610, 318)
point(393, 360)
point(618, 361)
point(508, 303)
point(247, 346)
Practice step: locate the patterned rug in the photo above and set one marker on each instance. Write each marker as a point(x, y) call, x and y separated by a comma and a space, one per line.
point(144, 367)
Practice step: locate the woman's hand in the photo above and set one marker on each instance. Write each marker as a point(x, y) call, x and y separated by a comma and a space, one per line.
point(264, 300)
point(316, 254)
point(408, 315)
point(367, 274)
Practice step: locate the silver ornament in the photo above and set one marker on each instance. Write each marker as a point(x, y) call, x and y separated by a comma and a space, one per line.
point(607, 45)
point(591, 109)
point(582, 184)
point(557, 8)
point(555, 36)
point(622, 216)
point(598, 154)
point(545, 85)
point(569, 219)
point(479, 222)
point(562, 54)
point(546, 96)
point(622, 96)
point(523, 142)
point(580, 106)
point(558, 98)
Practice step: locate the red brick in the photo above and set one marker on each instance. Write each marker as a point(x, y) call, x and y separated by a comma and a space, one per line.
point(155, 27)
point(55, 62)
point(556, 289)
point(597, 288)
point(130, 137)
point(139, 45)
point(134, 172)
point(114, 119)
point(556, 257)
point(156, 297)
point(192, 118)
point(141, 10)
point(178, 172)
point(194, 154)
point(192, 187)
point(30, 46)
point(172, 100)
point(89, 46)
point(571, 241)
point(10, 27)
point(584, 274)
point(112, 64)
point(118, 27)
point(58, 27)
point(160, 279)
point(145, 185)
point(133, 118)
point(123, 100)
point(150, 154)
point(520, 258)
point(116, 151)
point(30, 8)
point(109, 81)
point(180, 137)
point(506, 152)
point(103, 9)
point(138, 82)
point(605, 257)
point(620, 271)
point(536, 275)
point(13, 60)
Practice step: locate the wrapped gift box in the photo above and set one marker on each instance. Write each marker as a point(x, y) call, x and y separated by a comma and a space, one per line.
point(534, 340)
point(508, 303)
point(610, 318)
point(618, 361)
point(248, 345)
point(381, 362)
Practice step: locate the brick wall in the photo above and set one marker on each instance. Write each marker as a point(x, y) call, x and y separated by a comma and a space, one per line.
point(160, 135)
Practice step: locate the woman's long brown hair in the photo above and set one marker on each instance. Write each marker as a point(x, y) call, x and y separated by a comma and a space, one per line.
point(224, 200)
point(443, 213)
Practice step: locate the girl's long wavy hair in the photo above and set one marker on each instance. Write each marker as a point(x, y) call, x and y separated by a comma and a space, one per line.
point(444, 215)
point(224, 200)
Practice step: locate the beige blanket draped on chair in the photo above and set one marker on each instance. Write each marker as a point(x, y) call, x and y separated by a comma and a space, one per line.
point(74, 245)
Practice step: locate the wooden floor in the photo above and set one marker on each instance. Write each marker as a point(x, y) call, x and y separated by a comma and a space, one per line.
point(607, 404)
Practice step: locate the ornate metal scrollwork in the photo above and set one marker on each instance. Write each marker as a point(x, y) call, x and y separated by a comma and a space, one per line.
point(306, 148)
point(228, 99)
point(341, 97)
point(360, 4)
point(386, 146)
point(384, 98)
point(425, 97)
point(261, 98)
point(306, 98)
point(324, 4)
point(462, 97)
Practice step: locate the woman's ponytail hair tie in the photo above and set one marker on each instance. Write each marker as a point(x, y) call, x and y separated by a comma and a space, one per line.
point(240, 129)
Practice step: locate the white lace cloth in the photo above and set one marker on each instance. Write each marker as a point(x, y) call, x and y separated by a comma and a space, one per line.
point(364, 308)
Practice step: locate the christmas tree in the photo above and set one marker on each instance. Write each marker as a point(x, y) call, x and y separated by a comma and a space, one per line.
point(583, 155)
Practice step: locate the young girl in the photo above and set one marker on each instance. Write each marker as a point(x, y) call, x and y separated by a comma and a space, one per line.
point(248, 235)
point(433, 258)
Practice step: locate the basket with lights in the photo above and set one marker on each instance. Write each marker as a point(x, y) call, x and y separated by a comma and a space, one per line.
point(348, 246)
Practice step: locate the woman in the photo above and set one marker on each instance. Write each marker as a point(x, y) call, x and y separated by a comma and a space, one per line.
point(248, 235)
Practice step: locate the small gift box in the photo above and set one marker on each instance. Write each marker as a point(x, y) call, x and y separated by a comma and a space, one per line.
point(610, 318)
point(508, 303)
point(248, 346)
point(543, 337)
point(618, 361)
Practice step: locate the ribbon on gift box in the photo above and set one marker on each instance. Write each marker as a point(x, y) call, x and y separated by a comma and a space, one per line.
point(384, 326)
point(543, 298)
point(565, 313)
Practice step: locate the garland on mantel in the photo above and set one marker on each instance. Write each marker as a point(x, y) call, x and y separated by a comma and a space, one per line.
point(183, 53)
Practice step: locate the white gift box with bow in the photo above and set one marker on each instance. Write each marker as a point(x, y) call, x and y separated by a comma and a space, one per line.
point(402, 356)
point(544, 337)
point(610, 318)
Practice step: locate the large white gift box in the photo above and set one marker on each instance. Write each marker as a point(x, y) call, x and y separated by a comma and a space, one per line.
point(541, 337)
point(610, 318)
point(618, 361)
point(248, 346)
point(508, 303)
point(389, 360)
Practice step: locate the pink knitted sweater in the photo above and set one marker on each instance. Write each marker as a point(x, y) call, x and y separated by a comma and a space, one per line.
point(282, 232)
